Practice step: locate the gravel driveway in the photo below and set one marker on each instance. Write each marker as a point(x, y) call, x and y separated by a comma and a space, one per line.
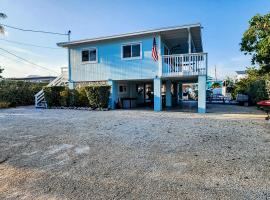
point(135, 154)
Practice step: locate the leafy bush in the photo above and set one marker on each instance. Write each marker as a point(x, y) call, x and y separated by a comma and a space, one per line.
point(62, 96)
point(19, 93)
point(55, 96)
point(256, 86)
point(257, 91)
point(216, 85)
point(4, 104)
point(98, 95)
point(82, 99)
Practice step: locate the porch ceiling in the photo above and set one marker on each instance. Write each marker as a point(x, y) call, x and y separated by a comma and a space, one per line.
point(184, 79)
point(179, 37)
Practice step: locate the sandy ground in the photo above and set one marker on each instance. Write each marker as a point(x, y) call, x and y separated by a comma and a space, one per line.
point(71, 154)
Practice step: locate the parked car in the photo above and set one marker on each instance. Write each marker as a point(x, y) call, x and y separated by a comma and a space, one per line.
point(242, 99)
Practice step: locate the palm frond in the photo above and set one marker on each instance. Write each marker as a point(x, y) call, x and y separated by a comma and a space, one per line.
point(2, 15)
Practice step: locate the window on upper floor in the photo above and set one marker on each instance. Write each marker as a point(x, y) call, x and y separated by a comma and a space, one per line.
point(132, 51)
point(122, 89)
point(89, 55)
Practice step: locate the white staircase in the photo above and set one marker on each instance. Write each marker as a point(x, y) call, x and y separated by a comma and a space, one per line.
point(58, 81)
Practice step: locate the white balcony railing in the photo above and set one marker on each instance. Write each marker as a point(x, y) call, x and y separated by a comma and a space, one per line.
point(184, 64)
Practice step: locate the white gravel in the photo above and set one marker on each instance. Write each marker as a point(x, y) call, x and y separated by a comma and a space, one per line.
point(134, 154)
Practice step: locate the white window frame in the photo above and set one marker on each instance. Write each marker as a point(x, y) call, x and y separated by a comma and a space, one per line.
point(131, 58)
point(89, 49)
point(123, 85)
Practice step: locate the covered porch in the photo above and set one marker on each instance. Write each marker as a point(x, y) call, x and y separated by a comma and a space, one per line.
point(158, 94)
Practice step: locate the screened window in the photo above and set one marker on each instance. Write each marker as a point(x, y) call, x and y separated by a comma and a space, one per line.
point(85, 56)
point(131, 51)
point(122, 89)
point(89, 55)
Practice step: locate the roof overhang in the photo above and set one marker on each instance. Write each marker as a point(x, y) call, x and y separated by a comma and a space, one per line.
point(195, 31)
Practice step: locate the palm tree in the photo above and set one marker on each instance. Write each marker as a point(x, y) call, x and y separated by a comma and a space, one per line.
point(2, 29)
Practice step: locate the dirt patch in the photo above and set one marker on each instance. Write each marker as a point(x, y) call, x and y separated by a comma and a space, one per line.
point(72, 154)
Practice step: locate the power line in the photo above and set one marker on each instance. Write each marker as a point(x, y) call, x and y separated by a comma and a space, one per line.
point(28, 44)
point(31, 30)
point(4, 56)
point(32, 63)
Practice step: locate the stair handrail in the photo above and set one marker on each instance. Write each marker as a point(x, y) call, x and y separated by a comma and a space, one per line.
point(57, 81)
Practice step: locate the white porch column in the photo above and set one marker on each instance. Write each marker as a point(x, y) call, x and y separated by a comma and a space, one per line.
point(114, 93)
point(168, 93)
point(201, 94)
point(157, 94)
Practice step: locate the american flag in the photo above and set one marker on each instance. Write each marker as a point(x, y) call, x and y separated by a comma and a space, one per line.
point(154, 50)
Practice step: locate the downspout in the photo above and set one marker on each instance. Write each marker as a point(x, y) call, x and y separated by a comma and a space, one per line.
point(159, 57)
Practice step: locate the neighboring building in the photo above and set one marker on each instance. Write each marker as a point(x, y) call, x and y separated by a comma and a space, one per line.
point(35, 79)
point(240, 75)
point(130, 64)
point(210, 81)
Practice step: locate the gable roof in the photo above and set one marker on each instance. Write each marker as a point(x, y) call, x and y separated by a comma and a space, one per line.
point(127, 35)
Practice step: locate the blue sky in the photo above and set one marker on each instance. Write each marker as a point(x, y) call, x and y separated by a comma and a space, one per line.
point(224, 22)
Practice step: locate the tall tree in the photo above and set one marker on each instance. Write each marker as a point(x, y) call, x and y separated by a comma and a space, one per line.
point(256, 41)
point(2, 29)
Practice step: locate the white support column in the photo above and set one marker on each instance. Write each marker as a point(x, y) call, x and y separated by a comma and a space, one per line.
point(168, 93)
point(201, 94)
point(114, 93)
point(157, 94)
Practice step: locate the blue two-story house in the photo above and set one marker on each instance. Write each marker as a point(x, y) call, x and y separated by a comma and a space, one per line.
point(127, 63)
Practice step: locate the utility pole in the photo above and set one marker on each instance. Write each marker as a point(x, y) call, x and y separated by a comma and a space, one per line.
point(70, 84)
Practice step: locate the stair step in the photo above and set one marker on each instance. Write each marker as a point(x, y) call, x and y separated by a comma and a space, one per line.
point(40, 106)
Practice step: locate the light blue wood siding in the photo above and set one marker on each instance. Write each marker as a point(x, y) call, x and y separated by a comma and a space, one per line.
point(111, 66)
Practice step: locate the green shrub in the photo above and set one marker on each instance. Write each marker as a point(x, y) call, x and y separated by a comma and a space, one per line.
point(53, 96)
point(257, 91)
point(19, 93)
point(98, 95)
point(4, 104)
point(73, 98)
point(82, 99)
point(62, 96)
